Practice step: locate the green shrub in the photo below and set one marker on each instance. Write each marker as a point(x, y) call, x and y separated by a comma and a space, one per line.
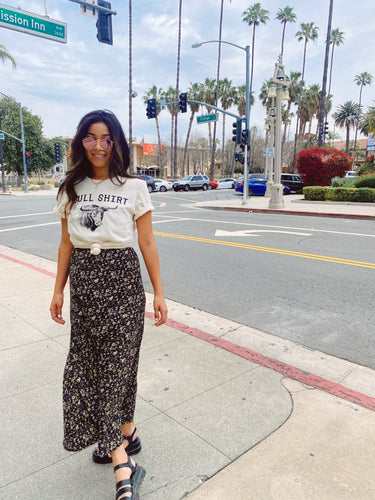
point(314, 193)
point(329, 193)
point(343, 182)
point(365, 181)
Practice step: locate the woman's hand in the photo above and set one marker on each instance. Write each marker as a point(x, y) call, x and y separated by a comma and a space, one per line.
point(160, 310)
point(56, 308)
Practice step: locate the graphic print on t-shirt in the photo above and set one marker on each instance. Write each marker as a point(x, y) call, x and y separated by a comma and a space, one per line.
point(91, 216)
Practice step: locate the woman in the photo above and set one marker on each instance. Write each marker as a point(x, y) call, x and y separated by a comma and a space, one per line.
point(101, 206)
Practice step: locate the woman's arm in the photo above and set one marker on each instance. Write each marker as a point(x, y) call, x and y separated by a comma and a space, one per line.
point(150, 254)
point(65, 250)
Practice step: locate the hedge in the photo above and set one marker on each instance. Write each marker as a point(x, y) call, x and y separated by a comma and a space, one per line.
point(365, 181)
point(329, 193)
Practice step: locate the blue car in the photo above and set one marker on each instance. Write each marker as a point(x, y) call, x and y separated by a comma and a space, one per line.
point(258, 187)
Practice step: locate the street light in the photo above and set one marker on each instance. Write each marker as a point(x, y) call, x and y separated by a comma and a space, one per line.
point(270, 127)
point(279, 86)
point(247, 111)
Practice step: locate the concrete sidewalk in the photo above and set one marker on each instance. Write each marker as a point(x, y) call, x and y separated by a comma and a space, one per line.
point(217, 414)
point(294, 205)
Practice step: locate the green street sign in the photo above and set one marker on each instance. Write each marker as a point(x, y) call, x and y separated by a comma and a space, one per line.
point(32, 24)
point(207, 118)
point(2, 136)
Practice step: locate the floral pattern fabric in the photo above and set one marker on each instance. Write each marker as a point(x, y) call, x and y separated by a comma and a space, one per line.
point(107, 320)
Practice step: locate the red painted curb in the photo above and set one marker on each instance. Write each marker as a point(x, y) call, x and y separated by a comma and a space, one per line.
point(287, 370)
point(255, 357)
point(293, 212)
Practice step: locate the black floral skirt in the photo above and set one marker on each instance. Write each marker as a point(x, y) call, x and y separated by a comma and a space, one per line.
point(107, 318)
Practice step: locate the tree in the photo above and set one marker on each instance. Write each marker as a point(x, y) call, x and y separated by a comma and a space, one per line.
point(170, 96)
point(253, 16)
point(310, 101)
point(337, 39)
point(318, 166)
point(227, 94)
point(240, 99)
point(307, 32)
point(347, 116)
point(195, 93)
point(174, 146)
point(293, 89)
point(209, 97)
point(362, 80)
point(286, 15)
point(156, 93)
point(367, 122)
point(5, 56)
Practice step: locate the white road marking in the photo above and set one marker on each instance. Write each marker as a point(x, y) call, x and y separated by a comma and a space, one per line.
point(29, 227)
point(167, 220)
point(267, 225)
point(251, 232)
point(24, 215)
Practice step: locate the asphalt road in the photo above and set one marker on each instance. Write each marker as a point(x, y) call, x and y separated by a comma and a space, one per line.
point(300, 278)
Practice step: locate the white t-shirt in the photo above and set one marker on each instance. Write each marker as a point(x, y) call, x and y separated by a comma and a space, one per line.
point(105, 212)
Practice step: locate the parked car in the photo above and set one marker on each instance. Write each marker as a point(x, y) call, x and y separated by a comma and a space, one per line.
point(149, 180)
point(293, 182)
point(258, 187)
point(227, 183)
point(192, 182)
point(351, 173)
point(162, 186)
point(251, 176)
point(213, 185)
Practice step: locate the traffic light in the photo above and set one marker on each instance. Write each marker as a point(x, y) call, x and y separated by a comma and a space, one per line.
point(239, 157)
point(57, 152)
point(245, 137)
point(28, 157)
point(183, 102)
point(237, 132)
point(325, 129)
point(104, 24)
point(151, 108)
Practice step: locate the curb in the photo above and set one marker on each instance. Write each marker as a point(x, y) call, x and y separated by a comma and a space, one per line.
point(291, 212)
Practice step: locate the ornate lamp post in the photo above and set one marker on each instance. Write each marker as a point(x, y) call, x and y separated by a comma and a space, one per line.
point(280, 85)
point(270, 128)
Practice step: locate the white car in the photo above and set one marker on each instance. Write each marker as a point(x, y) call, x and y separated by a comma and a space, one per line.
point(162, 186)
point(227, 183)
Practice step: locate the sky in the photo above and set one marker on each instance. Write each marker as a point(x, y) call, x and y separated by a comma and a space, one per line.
point(61, 82)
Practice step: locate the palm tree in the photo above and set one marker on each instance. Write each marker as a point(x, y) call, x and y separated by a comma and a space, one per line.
point(337, 39)
point(294, 88)
point(240, 99)
point(156, 93)
point(347, 116)
point(362, 80)
point(195, 93)
point(174, 162)
point(5, 56)
point(286, 15)
point(227, 99)
point(209, 97)
point(367, 122)
point(307, 32)
point(253, 16)
point(170, 96)
point(311, 100)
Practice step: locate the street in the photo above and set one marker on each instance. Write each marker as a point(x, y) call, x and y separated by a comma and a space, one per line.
point(305, 279)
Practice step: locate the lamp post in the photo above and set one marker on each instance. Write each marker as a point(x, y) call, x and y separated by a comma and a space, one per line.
point(279, 87)
point(270, 127)
point(247, 112)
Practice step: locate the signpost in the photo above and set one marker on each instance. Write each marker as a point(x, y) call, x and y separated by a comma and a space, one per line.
point(32, 24)
point(2, 136)
point(207, 118)
point(270, 152)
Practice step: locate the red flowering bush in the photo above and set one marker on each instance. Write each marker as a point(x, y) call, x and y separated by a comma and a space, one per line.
point(317, 166)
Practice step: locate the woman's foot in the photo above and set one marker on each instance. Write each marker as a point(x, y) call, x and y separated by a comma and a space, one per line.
point(132, 445)
point(129, 477)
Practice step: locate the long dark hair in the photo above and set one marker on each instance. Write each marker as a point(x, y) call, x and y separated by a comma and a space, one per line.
point(82, 168)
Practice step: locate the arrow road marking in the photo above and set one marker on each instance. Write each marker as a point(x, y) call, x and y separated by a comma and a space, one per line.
point(250, 232)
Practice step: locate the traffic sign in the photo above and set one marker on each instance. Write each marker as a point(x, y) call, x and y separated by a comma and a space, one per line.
point(2, 137)
point(32, 24)
point(270, 153)
point(90, 11)
point(207, 118)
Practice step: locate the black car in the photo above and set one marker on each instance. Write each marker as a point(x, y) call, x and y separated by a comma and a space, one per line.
point(149, 180)
point(293, 182)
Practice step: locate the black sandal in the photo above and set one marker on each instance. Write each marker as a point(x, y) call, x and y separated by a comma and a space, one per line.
point(133, 448)
point(132, 484)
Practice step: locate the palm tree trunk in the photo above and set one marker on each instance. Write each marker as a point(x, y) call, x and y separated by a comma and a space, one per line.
point(212, 170)
point(296, 138)
point(347, 139)
point(282, 40)
point(187, 142)
point(222, 146)
point(324, 82)
point(177, 87)
point(356, 125)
